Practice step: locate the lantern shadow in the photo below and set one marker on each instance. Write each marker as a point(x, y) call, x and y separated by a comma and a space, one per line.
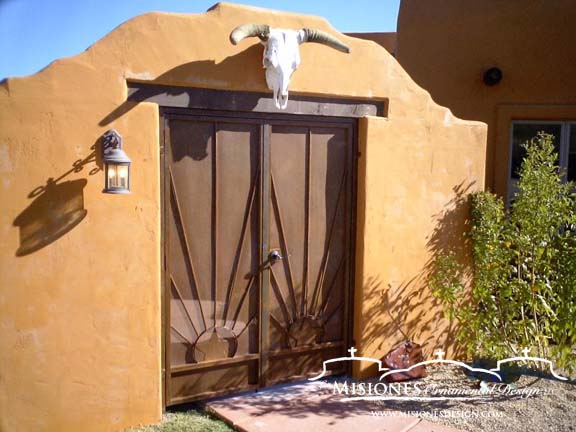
point(58, 205)
point(56, 211)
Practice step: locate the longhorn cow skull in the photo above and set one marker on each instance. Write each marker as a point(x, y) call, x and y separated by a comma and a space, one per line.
point(282, 53)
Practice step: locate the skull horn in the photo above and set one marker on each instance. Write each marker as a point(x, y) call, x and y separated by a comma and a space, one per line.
point(250, 30)
point(318, 36)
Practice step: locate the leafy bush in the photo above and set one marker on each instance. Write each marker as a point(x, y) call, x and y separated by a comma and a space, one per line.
point(523, 292)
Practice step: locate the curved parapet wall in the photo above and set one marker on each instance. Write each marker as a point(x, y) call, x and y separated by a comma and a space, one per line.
point(80, 326)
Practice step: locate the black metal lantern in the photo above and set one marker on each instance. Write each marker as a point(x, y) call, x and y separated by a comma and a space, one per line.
point(116, 164)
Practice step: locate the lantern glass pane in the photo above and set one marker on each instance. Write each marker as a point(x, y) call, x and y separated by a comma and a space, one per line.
point(122, 176)
point(117, 176)
point(112, 174)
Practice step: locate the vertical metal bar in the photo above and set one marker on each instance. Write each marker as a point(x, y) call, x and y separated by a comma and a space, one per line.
point(350, 238)
point(308, 175)
point(165, 298)
point(162, 262)
point(214, 220)
point(266, 129)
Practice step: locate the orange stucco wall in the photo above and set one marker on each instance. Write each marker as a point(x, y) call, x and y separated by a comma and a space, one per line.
point(446, 45)
point(80, 321)
point(386, 40)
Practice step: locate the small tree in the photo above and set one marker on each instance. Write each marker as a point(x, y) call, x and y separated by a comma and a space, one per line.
point(524, 266)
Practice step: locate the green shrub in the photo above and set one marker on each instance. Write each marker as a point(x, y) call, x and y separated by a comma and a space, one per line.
point(523, 292)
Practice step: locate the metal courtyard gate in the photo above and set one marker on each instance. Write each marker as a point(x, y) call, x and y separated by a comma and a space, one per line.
point(258, 217)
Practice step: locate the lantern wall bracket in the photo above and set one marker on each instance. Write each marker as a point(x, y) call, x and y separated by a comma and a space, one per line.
point(110, 140)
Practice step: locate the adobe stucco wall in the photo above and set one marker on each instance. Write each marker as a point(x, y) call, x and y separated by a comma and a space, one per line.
point(80, 343)
point(446, 45)
point(386, 40)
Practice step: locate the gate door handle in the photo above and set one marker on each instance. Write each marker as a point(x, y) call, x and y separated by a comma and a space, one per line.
point(274, 256)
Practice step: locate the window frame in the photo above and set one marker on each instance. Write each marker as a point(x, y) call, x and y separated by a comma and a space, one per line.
point(564, 149)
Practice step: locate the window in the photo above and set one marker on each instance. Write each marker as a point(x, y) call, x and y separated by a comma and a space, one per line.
point(564, 142)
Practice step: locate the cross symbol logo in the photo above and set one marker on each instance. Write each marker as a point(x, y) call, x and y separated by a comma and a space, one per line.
point(352, 351)
point(525, 351)
point(439, 354)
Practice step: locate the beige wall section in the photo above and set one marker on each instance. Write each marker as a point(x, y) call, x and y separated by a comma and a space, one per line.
point(80, 338)
point(413, 184)
point(446, 45)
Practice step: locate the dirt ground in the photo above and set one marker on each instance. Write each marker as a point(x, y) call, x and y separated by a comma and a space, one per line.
point(528, 403)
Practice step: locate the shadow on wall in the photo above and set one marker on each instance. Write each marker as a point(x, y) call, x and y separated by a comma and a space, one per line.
point(450, 235)
point(245, 66)
point(57, 208)
point(410, 314)
point(413, 313)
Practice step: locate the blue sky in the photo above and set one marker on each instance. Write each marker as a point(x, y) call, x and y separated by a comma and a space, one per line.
point(35, 32)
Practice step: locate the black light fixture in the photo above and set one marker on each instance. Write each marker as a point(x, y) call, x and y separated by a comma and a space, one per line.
point(492, 76)
point(116, 164)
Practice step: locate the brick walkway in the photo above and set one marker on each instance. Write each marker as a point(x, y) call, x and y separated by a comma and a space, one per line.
point(311, 407)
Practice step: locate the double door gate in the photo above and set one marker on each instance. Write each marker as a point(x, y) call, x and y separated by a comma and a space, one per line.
point(258, 249)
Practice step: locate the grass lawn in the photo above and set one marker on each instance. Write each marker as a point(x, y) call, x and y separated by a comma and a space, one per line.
point(192, 420)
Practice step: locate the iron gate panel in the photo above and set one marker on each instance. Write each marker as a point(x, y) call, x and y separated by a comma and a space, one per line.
point(235, 189)
point(310, 189)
